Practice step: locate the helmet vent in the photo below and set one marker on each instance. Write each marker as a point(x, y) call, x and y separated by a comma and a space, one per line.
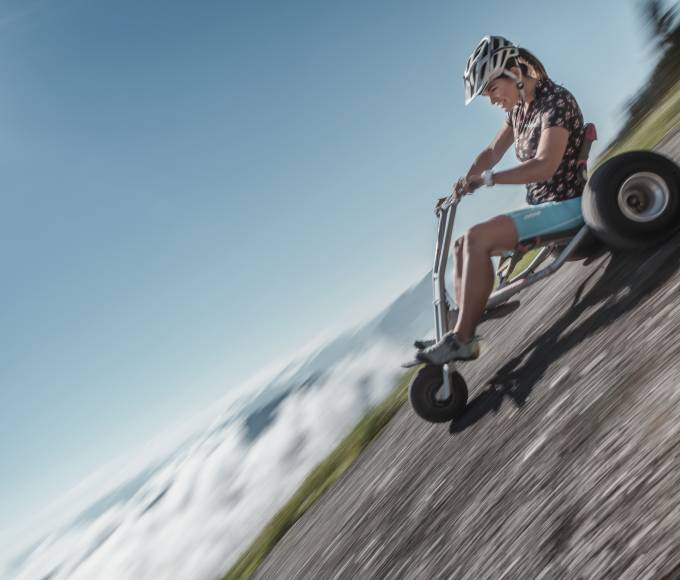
point(488, 60)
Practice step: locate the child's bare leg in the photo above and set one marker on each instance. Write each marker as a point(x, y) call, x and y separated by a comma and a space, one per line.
point(481, 241)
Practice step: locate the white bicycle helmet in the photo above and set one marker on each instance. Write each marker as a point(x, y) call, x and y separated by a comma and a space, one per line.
point(487, 63)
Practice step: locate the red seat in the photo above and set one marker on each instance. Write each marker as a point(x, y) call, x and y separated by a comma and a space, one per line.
point(590, 135)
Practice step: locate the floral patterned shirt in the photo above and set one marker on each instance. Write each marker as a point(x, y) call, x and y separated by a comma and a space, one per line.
point(552, 106)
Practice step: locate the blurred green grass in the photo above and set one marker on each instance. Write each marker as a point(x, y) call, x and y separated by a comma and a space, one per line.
point(647, 133)
point(320, 479)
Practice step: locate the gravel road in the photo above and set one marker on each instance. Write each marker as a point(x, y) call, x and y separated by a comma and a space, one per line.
point(566, 465)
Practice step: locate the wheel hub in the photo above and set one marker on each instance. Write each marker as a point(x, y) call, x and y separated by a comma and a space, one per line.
point(643, 197)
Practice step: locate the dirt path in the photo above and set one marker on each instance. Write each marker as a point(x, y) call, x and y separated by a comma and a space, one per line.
point(567, 464)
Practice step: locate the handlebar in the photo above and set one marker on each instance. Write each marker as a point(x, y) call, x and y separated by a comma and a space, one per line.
point(444, 203)
point(448, 201)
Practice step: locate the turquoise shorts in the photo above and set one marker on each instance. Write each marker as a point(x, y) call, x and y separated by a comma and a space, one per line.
point(547, 218)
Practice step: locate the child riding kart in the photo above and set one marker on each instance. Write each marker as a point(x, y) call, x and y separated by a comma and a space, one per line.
point(631, 200)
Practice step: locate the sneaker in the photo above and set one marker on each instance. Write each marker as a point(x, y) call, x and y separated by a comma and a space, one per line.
point(449, 348)
point(424, 343)
point(489, 314)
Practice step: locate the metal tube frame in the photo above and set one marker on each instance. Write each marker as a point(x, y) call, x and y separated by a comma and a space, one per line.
point(446, 213)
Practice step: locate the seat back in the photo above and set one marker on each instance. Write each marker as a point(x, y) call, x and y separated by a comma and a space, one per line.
point(589, 135)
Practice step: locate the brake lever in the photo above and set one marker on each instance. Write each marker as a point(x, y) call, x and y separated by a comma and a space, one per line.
point(448, 202)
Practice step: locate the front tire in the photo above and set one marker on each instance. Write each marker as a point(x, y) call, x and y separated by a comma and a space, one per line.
point(633, 200)
point(423, 390)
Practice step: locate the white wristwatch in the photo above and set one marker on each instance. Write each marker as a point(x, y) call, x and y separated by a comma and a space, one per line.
point(487, 178)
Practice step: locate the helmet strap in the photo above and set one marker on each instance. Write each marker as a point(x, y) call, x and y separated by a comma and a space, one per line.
point(519, 83)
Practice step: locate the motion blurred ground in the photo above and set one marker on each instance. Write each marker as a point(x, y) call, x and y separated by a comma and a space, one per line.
point(567, 464)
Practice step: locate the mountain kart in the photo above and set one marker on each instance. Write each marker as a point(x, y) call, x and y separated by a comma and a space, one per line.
point(631, 201)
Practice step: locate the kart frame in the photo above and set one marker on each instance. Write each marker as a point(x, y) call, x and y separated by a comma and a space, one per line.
point(508, 287)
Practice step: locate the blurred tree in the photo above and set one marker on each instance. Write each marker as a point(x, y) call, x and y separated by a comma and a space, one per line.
point(660, 21)
point(663, 28)
point(665, 35)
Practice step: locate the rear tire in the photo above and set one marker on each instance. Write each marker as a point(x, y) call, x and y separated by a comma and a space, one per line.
point(633, 200)
point(422, 395)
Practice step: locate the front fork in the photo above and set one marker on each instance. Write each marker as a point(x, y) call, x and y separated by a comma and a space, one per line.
point(446, 214)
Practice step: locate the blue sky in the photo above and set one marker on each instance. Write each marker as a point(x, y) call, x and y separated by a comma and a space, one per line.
point(192, 190)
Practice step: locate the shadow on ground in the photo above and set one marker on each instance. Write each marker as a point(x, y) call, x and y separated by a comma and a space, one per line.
point(627, 279)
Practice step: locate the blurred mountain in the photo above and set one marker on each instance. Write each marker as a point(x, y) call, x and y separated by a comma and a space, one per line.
point(408, 317)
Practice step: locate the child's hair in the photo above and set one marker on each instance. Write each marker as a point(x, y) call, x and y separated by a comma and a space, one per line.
point(528, 64)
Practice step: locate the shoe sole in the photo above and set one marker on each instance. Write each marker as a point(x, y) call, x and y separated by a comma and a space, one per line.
point(466, 359)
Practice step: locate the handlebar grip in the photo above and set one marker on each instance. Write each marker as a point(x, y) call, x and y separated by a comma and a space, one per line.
point(445, 203)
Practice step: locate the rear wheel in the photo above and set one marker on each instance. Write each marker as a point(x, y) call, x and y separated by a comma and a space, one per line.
point(423, 393)
point(633, 200)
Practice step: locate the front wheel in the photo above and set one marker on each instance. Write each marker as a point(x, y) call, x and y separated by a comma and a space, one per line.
point(422, 394)
point(633, 200)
